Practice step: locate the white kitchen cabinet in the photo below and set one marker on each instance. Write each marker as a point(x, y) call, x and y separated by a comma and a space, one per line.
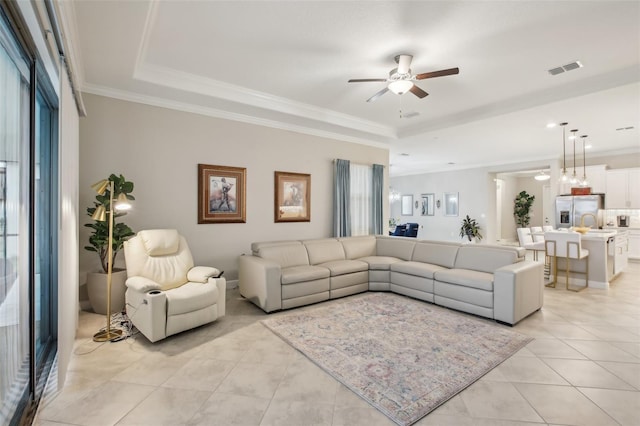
point(623, 189)
point(634, 244)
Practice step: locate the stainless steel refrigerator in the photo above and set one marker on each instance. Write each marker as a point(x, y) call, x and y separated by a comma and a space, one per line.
point(571, 208)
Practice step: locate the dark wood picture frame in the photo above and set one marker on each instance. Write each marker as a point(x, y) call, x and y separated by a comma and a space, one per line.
point(292, 197)
point(221, 194)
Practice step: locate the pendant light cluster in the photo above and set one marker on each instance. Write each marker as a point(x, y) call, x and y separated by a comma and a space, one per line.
point(573, 179)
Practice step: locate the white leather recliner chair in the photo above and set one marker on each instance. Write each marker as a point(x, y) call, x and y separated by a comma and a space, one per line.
point(166, 294)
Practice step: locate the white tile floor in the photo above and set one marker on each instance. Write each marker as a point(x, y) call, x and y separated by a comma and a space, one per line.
point(583, 368)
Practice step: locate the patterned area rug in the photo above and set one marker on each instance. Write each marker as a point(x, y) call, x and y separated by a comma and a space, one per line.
point(405, 357)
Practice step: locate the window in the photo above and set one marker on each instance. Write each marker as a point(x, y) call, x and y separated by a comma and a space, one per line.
point(361, 201)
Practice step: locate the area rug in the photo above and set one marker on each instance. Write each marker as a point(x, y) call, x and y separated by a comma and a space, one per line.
point(405, 357)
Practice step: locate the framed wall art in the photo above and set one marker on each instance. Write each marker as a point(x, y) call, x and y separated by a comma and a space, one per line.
point(292, 197)
point(451, 204)
point(221, 194)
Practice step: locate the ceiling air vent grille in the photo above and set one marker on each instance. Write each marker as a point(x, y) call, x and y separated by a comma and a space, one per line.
point(569, 67)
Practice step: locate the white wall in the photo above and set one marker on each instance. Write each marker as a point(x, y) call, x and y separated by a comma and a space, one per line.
point(159, 149)
point(475, 199)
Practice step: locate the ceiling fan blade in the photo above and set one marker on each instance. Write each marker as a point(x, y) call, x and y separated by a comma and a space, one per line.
point(418, 92)
point(404, 62)
point(367, 80)
point(440, 73)
point(377, 95)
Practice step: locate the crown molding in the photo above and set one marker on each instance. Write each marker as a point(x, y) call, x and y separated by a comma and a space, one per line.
point(226, 115)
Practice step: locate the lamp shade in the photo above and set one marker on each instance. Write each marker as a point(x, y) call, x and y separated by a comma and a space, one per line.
point(100, 214)
point(101, 186)
point(122, 203)
point(400, 87)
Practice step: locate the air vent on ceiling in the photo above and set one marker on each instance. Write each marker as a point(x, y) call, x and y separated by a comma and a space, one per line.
point(569, 67)
point(409, 114)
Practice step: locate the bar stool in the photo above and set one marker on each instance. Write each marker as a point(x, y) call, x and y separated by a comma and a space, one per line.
point(537, 233)
point(526, 241)
point(567, 245)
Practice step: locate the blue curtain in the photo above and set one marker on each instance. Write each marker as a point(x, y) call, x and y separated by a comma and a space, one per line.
point(376, 198)
point(342, 199)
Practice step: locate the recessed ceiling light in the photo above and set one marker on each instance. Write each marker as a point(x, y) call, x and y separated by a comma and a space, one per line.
point(551, 125)
point(451, 163)
point(588, 146)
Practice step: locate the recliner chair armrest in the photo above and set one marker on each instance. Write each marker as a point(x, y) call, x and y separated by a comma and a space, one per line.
point(201, 274)
point(142, 284)
point(518, 290)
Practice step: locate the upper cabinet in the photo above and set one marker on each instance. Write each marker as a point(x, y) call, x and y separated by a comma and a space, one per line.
point(623, 189)
point(596, 176)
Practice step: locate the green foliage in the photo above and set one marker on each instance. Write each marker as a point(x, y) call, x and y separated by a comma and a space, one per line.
point(470, 228)
point(98, 239)
point(522, 207)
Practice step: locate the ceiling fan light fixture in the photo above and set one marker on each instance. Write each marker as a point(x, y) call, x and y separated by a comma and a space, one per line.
point(400, 87)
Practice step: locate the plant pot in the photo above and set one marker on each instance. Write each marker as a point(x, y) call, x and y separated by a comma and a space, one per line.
point(97, 289)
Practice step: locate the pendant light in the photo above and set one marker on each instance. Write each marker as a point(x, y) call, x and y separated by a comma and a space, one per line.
point(584, 182)
point(574, 176)
point(563, 176)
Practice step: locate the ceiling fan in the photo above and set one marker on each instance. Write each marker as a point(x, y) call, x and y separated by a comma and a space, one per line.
point(401, 80)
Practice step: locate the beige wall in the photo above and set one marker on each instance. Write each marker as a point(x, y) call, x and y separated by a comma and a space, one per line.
point(159, 149)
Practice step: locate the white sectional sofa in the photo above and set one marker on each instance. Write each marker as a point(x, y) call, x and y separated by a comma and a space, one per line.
point(487, 280)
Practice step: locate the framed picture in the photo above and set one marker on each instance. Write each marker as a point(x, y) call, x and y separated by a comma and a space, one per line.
point(427, 204)
point(221, 194)
point(451, 204)
point(407, 205)
point(292, 197)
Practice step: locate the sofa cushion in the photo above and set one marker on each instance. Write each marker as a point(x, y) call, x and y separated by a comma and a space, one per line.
point(191, 297)
point(418, 269)
point(380, 263)
point(484, 259)
point(286, 256)
point(401, 248)
point(341, 267)
point(436, 253)
point(466, 277)
point(298, 274)
point(357, 247)
point(322, 251)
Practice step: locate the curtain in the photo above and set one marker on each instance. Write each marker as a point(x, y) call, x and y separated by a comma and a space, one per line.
point(377, 191)
point(341, 199)
point(361, 184)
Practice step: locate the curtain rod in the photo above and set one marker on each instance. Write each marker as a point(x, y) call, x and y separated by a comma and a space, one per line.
point(359, 164)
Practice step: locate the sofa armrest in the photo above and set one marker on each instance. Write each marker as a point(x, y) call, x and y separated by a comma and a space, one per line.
point(201, 274)
point(518, 290)
point(221, 284)
point(142, 284)
point(259, 281)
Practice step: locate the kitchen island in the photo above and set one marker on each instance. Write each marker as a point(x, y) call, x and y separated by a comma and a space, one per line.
point(601, 271)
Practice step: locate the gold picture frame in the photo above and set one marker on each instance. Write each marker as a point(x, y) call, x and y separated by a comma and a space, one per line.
point(292, 197)
point(221, 194)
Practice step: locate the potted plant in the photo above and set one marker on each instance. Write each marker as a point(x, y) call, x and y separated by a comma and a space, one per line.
point(98, 240)
point(522, 207)
point(471, 229)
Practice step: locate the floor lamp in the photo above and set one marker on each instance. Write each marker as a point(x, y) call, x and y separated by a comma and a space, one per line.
point(100, 214)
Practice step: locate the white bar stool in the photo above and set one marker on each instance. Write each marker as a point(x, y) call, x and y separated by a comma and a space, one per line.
point(526, 241)
point(567, 245)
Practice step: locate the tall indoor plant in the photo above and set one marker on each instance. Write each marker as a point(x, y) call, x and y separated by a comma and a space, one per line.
point(98, 240)
point(522, 208)
point(470, 228)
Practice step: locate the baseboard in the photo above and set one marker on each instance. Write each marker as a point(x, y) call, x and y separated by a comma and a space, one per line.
point(232, 284)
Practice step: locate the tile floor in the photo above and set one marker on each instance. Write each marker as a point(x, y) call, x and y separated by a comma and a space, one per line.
point(583, 368)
